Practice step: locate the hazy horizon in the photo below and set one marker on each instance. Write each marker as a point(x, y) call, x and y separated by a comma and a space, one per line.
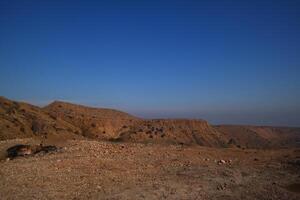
point(228, 62)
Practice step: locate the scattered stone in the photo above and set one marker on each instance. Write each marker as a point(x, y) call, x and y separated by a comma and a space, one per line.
point(18, 150)
point(21, 150)
point(221, 187)
point(221, 162)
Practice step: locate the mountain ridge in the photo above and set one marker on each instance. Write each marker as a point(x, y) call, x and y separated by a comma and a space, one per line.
point(65, 120)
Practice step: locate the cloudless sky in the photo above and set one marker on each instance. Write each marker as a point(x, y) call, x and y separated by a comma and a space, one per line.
point(229, 61)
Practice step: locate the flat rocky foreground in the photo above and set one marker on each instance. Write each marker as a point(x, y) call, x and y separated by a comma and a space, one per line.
point(101, 170)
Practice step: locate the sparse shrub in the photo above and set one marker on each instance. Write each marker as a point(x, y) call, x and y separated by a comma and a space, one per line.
point(53, 117)
point(22, 129)
point(93, 125)
point(115, 139)
point(231, 141)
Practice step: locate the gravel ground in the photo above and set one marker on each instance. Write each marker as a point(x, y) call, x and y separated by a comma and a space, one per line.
point(85, 169)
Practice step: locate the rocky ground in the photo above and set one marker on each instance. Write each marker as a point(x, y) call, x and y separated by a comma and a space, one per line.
point(85, 169)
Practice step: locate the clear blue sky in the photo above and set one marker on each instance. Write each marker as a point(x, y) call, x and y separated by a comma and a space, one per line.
point(225, 61)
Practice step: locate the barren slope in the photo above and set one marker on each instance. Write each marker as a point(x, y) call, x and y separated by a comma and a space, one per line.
point(261, 136)
point(65, 121)
point(108, 124)
point(95, 123)
point(173, 131)
point(21, 120)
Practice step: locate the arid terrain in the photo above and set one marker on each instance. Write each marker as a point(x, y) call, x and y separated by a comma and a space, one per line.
point(109, 154)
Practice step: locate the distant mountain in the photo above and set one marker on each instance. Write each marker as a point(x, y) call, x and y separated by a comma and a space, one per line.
point(63, 121)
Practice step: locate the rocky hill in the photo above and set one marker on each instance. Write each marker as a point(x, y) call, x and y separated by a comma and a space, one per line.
point(260, 136)
point(113, 125)
point(63, 121)
point(22, 120)
point(95, 123)
point(173, 131)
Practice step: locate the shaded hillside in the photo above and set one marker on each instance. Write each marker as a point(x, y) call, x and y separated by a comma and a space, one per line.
point(173, 131)
point(260, 136)
point(21, 120)
point(96, 123)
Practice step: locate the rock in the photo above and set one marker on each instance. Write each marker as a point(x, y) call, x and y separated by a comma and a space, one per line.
point(26, 150)
point(221, 162)
point(19, 150)
point(221, 187)
point(48, 149)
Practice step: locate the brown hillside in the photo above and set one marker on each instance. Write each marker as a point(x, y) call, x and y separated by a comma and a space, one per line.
point(96, 123)
point(21, 120)
point(173, 131)
point(261, 136)
point(66, 121)
point(108, 124)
